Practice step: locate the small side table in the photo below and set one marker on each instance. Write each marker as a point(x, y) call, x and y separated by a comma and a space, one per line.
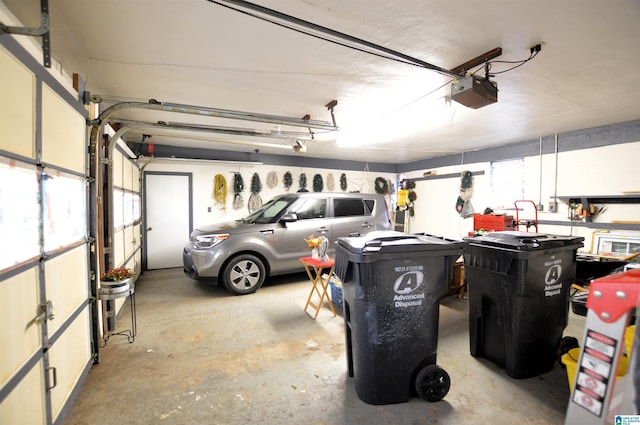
point(314, 268)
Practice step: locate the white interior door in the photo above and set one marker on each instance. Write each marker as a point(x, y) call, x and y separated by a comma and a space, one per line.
point(168, 218)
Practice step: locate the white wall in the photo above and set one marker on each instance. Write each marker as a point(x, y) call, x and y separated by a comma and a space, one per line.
point(609, 170)
point(204, 172)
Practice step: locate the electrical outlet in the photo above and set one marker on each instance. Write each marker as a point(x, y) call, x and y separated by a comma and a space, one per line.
point(540, 207)
point(552, 207)
point(208, 209)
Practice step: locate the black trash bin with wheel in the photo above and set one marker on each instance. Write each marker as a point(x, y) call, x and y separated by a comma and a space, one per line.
point(392, 283)
point(518, 288)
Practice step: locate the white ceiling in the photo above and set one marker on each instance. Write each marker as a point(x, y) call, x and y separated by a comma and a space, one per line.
point(196, 52)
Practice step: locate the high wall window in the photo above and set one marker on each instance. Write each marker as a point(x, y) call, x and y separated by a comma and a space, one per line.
point(507, 183)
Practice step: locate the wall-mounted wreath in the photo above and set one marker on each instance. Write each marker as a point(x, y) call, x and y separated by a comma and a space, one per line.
point(272, 179)
point(343, 182)
point(256, 184)
point(318, 184)
point(411, 196)
point(287, 181)
point(255, 201)
point(382, 185)
point(331, 182)
point(303, 183)
point(238, 188)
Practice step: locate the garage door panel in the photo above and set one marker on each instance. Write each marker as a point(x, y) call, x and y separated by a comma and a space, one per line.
point(127, 182)
point(69, 355)
point(129, 244)
point(137, 239)
point(25, 403)
point(19, 297)
point(117, 168)
point(43, 216)
point(18, 117)
point(118, 246)
point(63, 133)
point(66, 284)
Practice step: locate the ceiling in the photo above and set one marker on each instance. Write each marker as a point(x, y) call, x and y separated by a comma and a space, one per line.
point(201, 53)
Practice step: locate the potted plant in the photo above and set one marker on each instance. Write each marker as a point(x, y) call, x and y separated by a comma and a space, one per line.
point(114, 283)
point(120, 275)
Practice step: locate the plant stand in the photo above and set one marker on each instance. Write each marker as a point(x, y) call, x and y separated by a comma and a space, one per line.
point(111, 291)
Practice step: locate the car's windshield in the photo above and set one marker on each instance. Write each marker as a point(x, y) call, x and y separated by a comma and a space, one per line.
point(270, 211)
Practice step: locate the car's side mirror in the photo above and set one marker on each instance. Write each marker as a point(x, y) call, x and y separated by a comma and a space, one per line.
point(289, 218)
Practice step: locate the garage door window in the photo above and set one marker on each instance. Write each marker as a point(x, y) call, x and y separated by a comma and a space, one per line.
point(19, 213)
point(65, 219)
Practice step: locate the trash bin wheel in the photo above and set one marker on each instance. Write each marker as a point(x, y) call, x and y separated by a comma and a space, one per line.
point(432, 383)
point(564, 345)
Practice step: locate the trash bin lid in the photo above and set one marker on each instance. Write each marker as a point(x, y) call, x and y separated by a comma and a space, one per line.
point(524, 241)
point(390, 241)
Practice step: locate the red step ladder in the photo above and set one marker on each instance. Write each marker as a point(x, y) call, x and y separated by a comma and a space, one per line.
point(598, 397)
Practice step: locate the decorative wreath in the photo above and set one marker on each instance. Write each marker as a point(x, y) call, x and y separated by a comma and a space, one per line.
point(331, 183)
point(237, 201)
point(318, 184)
point(238, 183)
point(272, 179)
point(287, 180)
point(255, 202)
point(238, 187)
point(256, 184)
point(382, 185)
point(303, 183)
point(220, 191)
point(343, 182)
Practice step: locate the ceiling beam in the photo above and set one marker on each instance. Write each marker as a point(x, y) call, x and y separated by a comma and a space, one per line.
point(478, 60)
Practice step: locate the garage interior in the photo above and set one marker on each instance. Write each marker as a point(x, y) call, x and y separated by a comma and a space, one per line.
point(117, 119)
point(278, 365)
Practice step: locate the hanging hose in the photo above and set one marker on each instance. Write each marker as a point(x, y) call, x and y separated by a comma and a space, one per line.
point(220, 192)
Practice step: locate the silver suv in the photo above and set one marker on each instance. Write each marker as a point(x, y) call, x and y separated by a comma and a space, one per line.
point(270, 241)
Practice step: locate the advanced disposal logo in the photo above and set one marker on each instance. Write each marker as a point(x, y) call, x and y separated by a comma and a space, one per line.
point(552, 276)
point(411, 279)
point(627, 419)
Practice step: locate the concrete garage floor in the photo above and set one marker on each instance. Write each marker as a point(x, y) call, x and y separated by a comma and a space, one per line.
point(203, 356)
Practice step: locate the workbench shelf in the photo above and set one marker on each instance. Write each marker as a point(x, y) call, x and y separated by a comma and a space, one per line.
point(603, 199)
point(600, 199)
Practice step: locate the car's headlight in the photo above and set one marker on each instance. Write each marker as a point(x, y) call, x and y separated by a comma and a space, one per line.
point(207, 241)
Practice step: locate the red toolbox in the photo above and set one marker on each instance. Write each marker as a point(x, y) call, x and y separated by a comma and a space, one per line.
point(491, 222)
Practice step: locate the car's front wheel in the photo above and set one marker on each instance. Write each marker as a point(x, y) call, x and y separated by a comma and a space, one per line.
point(244, 274)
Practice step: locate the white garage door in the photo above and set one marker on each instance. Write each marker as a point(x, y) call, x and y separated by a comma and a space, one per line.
point(45, 336)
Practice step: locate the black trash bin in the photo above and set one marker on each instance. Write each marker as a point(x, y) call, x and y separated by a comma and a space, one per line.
point(518, 287)
point(391, 286)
